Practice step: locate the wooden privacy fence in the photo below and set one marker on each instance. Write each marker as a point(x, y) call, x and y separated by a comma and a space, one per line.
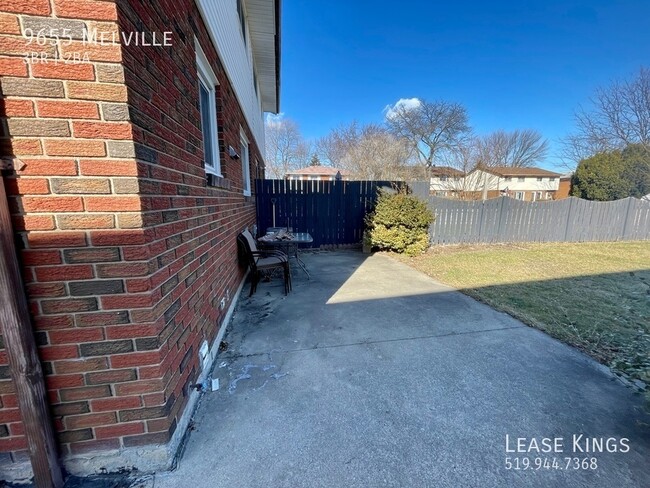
point(508, 220)
point(331, 211)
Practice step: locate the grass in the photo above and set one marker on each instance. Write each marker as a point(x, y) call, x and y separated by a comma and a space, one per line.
point(594, 296)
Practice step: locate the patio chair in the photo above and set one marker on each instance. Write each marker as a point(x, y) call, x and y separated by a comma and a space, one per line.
point(263, 262)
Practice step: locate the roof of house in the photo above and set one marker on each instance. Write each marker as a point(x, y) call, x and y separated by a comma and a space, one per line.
point(509, 171)
point(445, 171)
point(318, 170)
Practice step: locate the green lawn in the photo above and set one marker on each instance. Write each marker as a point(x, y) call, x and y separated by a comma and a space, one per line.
point(594, 296)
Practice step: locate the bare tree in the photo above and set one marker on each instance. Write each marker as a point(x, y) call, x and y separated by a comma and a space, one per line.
point(285, 149)
point(519, 149)
point(430, 128)
point(618, 116)
point(368, 152)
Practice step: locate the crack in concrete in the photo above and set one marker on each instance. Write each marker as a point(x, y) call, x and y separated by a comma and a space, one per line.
point(378, 341)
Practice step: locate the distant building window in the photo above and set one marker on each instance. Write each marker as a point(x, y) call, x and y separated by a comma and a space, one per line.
point(208, 109)
point(443, 178)
point(551, 179)
point(521, 178)
point(245, 164)
point(539, 178)
point(242, 18)
point(508, 178)
point(519, 195)
point(537, 195)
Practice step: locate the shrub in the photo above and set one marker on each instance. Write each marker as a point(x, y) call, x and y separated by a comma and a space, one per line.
point(399, 223)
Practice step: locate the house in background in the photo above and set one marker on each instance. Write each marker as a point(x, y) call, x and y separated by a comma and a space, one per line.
point(529, 184)
point(136, 170)
point(318, 173)
point(564, 189)
point(446, 181)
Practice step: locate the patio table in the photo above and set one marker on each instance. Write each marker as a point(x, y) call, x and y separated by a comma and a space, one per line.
point(289, 242)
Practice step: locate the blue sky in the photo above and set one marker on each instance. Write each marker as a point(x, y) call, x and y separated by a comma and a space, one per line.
point(512, 64)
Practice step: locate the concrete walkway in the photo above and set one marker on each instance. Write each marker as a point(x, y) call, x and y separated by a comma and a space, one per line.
point(371, 374)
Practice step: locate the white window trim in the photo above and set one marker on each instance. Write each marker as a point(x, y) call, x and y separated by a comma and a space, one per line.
point(209, 79)
point(246, 173)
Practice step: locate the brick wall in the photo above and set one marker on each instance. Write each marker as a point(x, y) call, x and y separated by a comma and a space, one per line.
point(126, 251)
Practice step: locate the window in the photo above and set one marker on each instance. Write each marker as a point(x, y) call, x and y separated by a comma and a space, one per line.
point(443, 178)
point(519, 195)
point(508, 178)
point(208, 108)
point(551, 179)
point(245, 164)
point(521, 178)
point(242, 18)
point(539, 178)
point(537, 195)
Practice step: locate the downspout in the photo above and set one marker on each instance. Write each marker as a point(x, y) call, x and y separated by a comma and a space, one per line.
point(25, 366)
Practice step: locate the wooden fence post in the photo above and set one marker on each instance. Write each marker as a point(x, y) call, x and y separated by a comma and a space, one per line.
point(24, 363)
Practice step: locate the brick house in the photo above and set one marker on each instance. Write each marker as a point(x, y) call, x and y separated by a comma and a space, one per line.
point(136, 159)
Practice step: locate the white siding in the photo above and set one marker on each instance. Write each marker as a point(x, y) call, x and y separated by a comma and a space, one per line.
point(223, 24)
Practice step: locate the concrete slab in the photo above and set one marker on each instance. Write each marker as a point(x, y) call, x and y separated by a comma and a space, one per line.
point(372, 374)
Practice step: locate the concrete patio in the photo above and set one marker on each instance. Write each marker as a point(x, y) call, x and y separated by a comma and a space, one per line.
point(372, 374)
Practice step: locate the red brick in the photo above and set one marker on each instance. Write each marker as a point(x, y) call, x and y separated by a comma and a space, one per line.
point(119, 430)
point(56, 239)
point(64, 273)
point(22, 46)
point(90, 420)
point(27, 186)
point(49, 167)
point(131, 331)
point(64, 71)
point(111, 376)
point(139, 285)
point(154, 399)
point(12, 66)
point(85, 9)
point(85, 393)
point(9, 444)
point(102, 130)
point(21, 146)
point(113, 404)
point(65, 109)
point(102, 318)
point(138, 387)
point(64, 381)
point(46, 290)
point(82, 365)
point(108, 52)
point(52, 204)
point(9, 24)
point(17, 429)
point(33, 222)
point(17, 108)
point(73, 147)
point(122, 270)
point(11, 401)
point(56, 322)
point(74, 336)
point(9, 415)
point(107, 167)
point(69, 305)
point(135, 359)
point(112, 204)
point(52, 353)
point(34, 258)
point(117, 237)
point(34, 7)
point(114, 302)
